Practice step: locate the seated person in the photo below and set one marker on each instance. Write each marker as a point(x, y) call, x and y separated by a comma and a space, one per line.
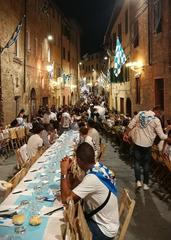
point(166, 149)
point(85, 138)
point(35, 142)
point(92, 132)
point(96, 188)
point(52, 134)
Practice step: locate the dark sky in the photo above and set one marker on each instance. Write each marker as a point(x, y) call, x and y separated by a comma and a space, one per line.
point(93, 17)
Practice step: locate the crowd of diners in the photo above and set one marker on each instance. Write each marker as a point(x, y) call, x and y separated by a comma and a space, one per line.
point(96, 186)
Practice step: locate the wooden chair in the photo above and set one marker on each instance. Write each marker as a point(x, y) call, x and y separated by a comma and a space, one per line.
point(6, 139)
point(20, 131)
point(126, 208)
point(81, 224)
point(13, 138)
point(68, 230)
point(76, 227)
point(21, 156)
point(18, 177)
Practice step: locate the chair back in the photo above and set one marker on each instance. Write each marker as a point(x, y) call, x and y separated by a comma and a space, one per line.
point(5, 133)
point(126, 208)
point(18, 177)
point(76, 227)
point(13, 133)
point(81, 223)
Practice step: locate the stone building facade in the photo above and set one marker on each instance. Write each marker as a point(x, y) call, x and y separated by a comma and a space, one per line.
point(93, 71)
point(34, 70)
point(144, 29)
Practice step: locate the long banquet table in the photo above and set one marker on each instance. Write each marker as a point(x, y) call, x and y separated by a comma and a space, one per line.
point(44, 172)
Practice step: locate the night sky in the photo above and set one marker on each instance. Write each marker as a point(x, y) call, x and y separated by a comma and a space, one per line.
point(93, 17)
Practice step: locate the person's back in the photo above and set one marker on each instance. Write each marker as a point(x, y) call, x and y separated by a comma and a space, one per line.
point(35, 142)
point(66, 119)
point(145, 127)
point(97, 189)
point(94, 193)
point(33, 145)
point(92, 132)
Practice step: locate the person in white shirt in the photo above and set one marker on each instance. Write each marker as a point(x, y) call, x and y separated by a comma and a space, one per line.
point(65, 120)
point(53, 116)
point(97, 188)
point(92, 132)
point(85, 138)
point(35, 142)
point(145, 126)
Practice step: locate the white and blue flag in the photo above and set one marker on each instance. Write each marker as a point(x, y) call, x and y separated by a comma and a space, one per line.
point(14, 36)
point(119, 58)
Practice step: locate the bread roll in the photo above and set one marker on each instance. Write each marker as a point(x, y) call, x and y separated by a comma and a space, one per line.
point(18, 219)
point(35, 220)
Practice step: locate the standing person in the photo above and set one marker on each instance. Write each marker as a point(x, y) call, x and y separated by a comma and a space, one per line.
point(97, 189)
point(145, 126)
point(85, 138)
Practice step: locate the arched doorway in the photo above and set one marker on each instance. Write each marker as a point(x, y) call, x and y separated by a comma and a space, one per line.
point(33, 102)
point(72, 98)
point(129, 107)
point(63, 100)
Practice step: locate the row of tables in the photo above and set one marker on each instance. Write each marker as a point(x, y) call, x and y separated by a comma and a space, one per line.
point(37, 190)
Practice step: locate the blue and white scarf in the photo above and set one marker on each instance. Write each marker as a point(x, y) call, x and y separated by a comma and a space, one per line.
point(145, 119)
point(105, 175)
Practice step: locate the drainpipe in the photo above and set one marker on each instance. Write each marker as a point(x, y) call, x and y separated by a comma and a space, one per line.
point(25, 42)
point(149, 35)
point(1, 99)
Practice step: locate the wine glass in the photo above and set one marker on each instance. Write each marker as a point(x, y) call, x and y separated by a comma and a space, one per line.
point(18, 221)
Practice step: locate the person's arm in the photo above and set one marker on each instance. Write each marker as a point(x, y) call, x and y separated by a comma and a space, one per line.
point(131, 125)
point(159, 130)
point(66, 189)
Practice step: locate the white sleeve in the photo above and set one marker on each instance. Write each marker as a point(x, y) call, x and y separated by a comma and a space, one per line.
point(159, 130)
point(40, 143)
point(133, 122)
point(87, 186)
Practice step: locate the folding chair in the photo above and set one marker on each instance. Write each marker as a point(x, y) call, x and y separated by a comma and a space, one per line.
point(126, 208)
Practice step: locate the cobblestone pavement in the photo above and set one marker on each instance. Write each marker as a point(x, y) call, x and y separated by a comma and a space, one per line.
point(152, 216)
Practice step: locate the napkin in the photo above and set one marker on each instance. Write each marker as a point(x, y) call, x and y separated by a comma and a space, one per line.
point(46, 210)
point(6, 222)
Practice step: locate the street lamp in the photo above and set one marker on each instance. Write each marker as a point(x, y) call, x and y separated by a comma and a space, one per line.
point(49, 68)
point(105, 58)
point(50, 37)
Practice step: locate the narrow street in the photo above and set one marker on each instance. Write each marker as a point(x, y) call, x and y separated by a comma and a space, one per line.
point(151, 217)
